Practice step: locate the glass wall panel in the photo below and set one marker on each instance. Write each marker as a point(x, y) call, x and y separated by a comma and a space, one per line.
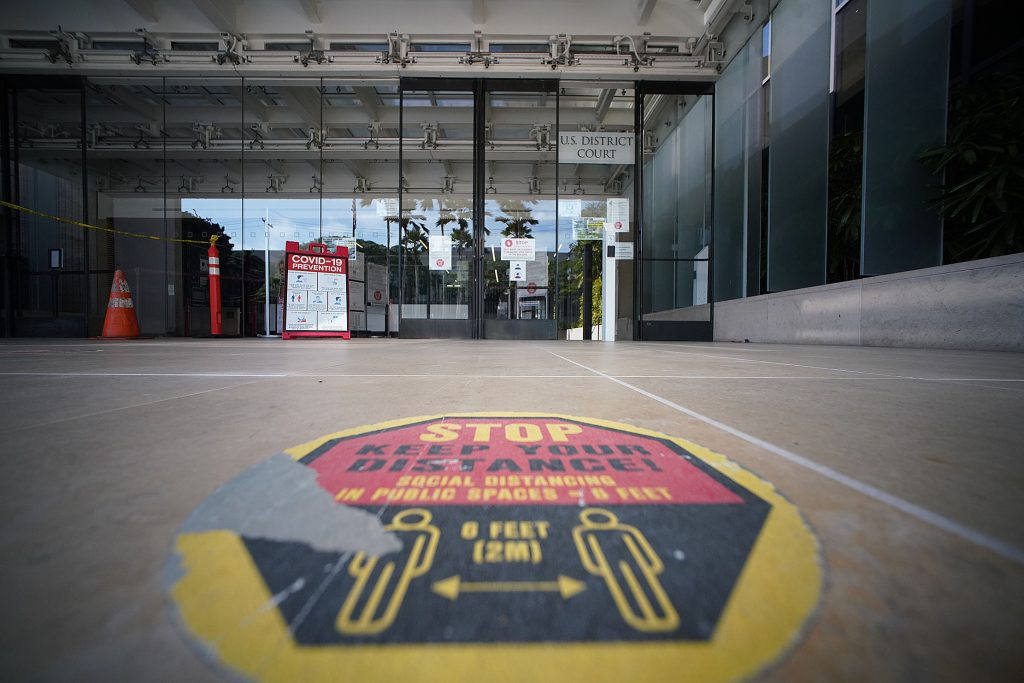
point(360, 195)
point(47, 177)
point(127, 173)
point(739, 148)
point(846, 157)
point(436, 209)
point(282, 187)
point(206, 148)
point(584, 192)
point(730, 185)
point(906, 87)
point(677, 208)
point(522, 170)
point(799, 131)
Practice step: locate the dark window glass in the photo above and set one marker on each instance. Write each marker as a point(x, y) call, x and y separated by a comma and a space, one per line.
point(286, 47)
point(118, 45)
point(846, 157)
point(196, 47)
point(439, 47)
point(31, 44)
point(359, 47)
point(532, 48)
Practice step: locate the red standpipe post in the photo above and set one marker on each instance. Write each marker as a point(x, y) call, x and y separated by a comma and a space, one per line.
point(216, 326)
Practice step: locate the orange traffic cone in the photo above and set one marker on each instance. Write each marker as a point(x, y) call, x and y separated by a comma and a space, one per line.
point(120, 322)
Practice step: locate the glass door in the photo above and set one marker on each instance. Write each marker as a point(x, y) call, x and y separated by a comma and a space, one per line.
point(438, 231)
point(520, 233)
point(674, 264)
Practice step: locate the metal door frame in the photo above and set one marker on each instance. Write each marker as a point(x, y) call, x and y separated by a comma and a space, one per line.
point(668, 330)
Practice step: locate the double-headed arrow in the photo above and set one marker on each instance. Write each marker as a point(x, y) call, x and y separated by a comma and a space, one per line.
point(453, 585)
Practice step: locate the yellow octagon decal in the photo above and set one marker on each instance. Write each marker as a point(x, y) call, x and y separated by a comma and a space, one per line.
point(495, 547)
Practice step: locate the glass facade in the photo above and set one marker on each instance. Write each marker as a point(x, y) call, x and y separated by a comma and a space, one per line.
point(841, 140)
point(677, 227)
point(860, 167)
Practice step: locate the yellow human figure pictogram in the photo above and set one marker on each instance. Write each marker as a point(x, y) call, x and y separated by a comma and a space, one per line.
point(379, 601)
point(632, 581)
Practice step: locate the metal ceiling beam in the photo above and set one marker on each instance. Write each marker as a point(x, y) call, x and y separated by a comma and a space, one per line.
point(357, 169)
point(251, 103)
point(604, 103)
point(222, 13)
point(276, 166)
point(299, 100)
point(311, 8)
point(616, 172)
point(145, 9)
point(646, 7)
point(520, 118)
point(129, 101)
point(370, 100)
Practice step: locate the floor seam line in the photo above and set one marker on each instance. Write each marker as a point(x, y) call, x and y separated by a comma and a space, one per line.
point(773, 362)
point(996, 545)
point(136, 405)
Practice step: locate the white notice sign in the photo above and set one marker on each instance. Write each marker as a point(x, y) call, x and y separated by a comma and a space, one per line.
point(517, 271)
point(440, 252)
point(376, 285)
point(570, 208)
point(518, 249)
point(356, 270)
point(350, 244)
point(623, 251)
point(587, 229)
point(387, 207)
point(618, 215)
point(583, 147)
point(357, 300)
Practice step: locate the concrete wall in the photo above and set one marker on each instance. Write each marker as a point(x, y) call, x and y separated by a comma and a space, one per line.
point(975, 305)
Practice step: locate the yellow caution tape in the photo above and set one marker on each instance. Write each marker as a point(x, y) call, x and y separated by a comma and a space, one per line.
point(123, 233)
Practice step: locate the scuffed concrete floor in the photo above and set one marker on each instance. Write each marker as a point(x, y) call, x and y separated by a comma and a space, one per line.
point(906, 463)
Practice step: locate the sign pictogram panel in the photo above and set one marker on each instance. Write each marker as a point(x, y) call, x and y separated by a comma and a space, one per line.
point(490, 534)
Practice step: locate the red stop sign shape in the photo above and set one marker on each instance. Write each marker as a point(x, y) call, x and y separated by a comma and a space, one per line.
point(440, 262)
point(377, 295)
point(508, 243)
point(531, 288)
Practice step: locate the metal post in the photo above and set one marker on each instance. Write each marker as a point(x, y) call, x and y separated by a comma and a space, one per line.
point(85, 208)
point(401, 186)
point(638, 209)
point(266, 274)
point(476, 310)
point(387, 276)
point(8, 223)
point(588, 287)
point(216, 326)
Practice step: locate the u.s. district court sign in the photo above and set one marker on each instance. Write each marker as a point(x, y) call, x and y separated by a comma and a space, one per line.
point(492, 547)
